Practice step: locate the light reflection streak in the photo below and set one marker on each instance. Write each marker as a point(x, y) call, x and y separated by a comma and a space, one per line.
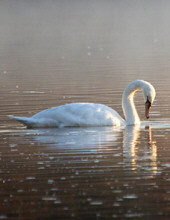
point(138, 154)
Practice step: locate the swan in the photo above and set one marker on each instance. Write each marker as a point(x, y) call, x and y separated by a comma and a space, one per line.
point(92, 114)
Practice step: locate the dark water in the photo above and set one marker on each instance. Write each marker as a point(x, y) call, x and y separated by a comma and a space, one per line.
point(57, 52)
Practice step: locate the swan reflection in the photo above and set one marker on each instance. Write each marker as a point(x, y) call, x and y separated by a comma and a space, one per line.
point(79, 138)
point(153, 151)
point(140, 151)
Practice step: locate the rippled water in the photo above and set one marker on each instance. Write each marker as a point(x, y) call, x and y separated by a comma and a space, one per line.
point(58, 52)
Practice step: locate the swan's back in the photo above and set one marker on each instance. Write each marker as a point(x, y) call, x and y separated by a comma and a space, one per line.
point(74, 114)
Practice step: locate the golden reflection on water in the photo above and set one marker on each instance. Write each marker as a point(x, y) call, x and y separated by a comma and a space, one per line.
point(132, 148)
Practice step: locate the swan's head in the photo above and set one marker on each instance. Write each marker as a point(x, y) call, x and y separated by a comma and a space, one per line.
point(149, 96)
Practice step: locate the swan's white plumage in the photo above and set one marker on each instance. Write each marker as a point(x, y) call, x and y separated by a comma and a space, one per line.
point(91, 114)
point(74, 114)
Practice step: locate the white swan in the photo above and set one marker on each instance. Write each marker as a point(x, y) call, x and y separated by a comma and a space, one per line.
point(90, 114)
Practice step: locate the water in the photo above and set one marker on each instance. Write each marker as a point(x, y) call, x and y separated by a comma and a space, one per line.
point(59, 52)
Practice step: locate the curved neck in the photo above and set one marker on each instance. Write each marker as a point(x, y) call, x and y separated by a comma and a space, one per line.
point(128, 105)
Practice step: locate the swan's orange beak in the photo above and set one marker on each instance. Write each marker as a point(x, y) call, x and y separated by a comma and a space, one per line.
point(147, 108)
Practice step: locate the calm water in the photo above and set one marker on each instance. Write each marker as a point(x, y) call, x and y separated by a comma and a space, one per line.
point(57, 52)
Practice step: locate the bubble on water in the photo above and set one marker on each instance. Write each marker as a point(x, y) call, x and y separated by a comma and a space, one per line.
point(63, 178)
point(48, 198)
point(77, 173)
point(51, 158)
point(73, 215)
point(117, 191)
point(34, 190)
point(41, 168)
point(54, 189)
point(116, 204)
point(40, 162)
point(12, 145)
point(114, 216)
point(50, 181)
point(130, 196)
point(65, 208)
point(57, 201)
point(20, 190)
point(133, 215)
point(96, 203)
point(30, 178)
point(14, 150)
point(119, 199)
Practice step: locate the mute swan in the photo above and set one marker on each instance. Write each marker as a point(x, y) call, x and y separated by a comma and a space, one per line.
point(91, 114)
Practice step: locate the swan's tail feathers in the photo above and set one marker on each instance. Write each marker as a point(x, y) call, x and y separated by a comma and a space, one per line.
point(24, 120)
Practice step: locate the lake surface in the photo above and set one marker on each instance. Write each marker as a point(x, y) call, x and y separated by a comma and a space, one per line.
point(57, 52)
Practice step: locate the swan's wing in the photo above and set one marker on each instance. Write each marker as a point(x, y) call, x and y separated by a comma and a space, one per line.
point(82, 114)
point(74, 114)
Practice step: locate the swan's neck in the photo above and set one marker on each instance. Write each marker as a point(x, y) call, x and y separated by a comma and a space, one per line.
point(128, 105)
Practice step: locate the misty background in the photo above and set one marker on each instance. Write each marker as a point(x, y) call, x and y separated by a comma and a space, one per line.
point(72, 29)
point(47, 44)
